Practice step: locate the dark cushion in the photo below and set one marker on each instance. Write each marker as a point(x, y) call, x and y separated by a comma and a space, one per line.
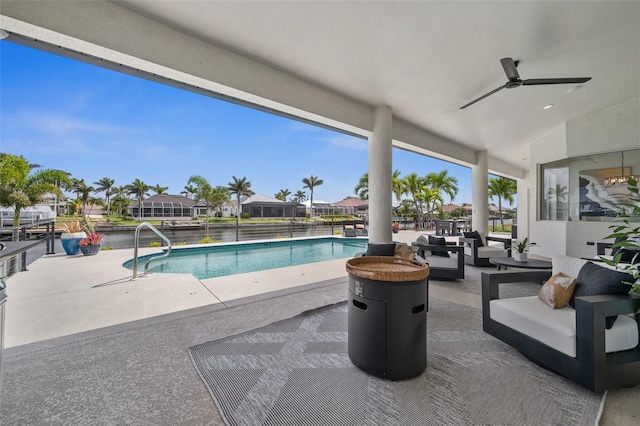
point(438, 241)
point(617, 249)
point(629, 256)
point(381, 249)
point(594, 280)
point(474, 235)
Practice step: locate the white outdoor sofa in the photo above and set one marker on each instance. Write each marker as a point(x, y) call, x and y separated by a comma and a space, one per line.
point(571, 342)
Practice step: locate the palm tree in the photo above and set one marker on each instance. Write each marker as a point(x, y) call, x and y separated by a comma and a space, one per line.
point(220, 196)
point(502, 188)
point(138, 189)
point(94, 201)
point(310, 183)
point(189, 190)
point(413, 185)
point(431, 197)
point(240, 187)
point(77, 187)
point(300, 196)
point(282, 194)
point(85, 195)
point(397, 185)
point(442, 183)
point(159, 190)
point(120, 198)
point(106, 185)
point(20, 188)
point(555, 196)
point(211, 196)
point(362, 188)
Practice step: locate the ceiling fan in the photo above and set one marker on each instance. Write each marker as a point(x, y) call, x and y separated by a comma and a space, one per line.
point(510, 68)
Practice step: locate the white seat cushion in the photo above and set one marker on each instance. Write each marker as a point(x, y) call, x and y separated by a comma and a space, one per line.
point(443, 262)
point(557, 327)
point(487, 252)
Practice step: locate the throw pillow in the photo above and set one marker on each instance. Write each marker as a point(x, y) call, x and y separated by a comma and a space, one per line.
point(438, 241)
point(405, 251)
point(557, 291)
point(629, 256)
point(381, 249)
point(594, 280)
point(422, 239)
point(474, 235)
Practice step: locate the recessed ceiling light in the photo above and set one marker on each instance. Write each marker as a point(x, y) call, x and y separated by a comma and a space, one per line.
point(573, 89)
point(548, 106)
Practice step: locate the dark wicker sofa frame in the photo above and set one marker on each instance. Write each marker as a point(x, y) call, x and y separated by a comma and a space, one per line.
point(443, 273)
point(592, 367)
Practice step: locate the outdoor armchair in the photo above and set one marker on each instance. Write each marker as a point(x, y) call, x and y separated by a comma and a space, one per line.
point(446, 261)
point(478, 250)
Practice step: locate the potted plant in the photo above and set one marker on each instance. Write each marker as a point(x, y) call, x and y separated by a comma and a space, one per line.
point(71, 237)
point(627, 236)
point(520, 249)
point(90, 245)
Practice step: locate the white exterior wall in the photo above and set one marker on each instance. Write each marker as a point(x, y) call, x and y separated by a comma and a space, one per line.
point(616, 128)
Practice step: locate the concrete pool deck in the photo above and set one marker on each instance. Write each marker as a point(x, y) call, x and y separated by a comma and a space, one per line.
point(63, 295)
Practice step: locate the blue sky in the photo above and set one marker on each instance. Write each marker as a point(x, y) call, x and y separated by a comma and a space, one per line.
point(95, 123)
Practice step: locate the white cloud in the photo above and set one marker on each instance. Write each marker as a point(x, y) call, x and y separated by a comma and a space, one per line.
point(348, 142)
point(57, 124)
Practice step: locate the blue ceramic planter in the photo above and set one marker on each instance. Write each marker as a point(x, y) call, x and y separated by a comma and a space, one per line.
point(71, 242)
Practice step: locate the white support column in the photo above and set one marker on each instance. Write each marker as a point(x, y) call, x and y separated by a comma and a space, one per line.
point(380, 176)
point(480, 194)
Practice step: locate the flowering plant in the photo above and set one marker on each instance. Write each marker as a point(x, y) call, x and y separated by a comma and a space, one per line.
point(92, 240)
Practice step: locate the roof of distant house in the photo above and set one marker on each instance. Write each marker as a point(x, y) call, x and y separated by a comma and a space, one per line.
point(260, 199)
point(317, 203)
point(351, 202)
point(169, 199)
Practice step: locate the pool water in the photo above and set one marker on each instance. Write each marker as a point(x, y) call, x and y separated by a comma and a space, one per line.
point(219, 261)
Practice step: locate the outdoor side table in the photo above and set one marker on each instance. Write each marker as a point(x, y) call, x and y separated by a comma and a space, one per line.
point(505, 262)
point(387, 323)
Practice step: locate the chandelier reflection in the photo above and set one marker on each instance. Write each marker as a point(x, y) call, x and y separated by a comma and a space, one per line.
point(620, 180)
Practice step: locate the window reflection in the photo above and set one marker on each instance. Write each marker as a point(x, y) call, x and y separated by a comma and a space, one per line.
point(589, 188)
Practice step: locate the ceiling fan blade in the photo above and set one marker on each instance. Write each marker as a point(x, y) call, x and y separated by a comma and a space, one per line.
point(510, 68)
point(541, 81)
point(483, 96)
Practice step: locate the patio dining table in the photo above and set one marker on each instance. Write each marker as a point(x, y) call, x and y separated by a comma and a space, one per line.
point(452, 227)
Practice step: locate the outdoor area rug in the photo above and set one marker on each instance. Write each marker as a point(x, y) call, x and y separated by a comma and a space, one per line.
point(298, 372)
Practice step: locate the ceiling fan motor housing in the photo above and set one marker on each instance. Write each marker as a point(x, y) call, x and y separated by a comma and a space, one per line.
point(512, 84)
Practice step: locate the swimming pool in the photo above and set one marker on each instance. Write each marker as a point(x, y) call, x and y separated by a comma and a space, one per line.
point(219, 261)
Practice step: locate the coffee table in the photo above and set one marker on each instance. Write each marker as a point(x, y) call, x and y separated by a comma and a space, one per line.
point(505, 262)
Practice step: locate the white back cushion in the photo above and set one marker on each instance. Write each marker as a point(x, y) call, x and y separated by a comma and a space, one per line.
point(570, 266)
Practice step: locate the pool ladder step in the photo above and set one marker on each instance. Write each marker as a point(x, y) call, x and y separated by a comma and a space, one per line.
point(137, 243)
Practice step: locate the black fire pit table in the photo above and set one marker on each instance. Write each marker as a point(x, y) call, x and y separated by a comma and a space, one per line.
point(387, 322)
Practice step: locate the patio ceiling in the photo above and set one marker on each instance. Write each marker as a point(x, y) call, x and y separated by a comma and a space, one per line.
point(425, 60)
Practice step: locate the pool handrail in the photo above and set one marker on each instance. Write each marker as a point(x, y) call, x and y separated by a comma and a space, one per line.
point(137, 243)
